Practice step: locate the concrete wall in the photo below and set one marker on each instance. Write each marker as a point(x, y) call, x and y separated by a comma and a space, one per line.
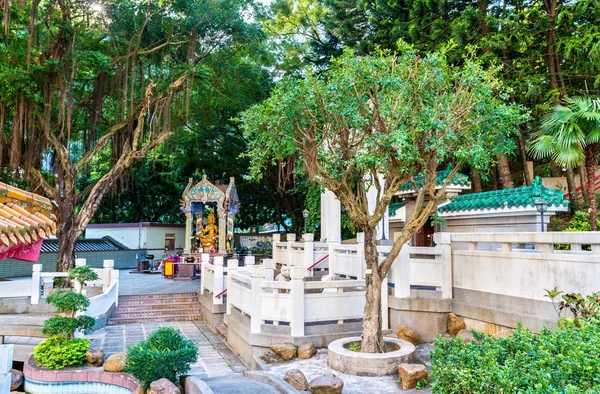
point(15, 268)
point(146, 237)
point(490, 224)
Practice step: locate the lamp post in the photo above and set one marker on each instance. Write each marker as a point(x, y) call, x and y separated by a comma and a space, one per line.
point(305, 214)
point(542, 206)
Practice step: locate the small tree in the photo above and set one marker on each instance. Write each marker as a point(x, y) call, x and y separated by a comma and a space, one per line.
point(383, 121)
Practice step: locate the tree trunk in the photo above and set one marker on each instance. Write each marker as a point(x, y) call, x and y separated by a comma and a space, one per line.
point(66, 250)
point(528, 177)
point(476, 178)
point(504, 172)
point(494, 178)
point(574, 201)
point(372, 336)
point(590, 167)
point(583, 182)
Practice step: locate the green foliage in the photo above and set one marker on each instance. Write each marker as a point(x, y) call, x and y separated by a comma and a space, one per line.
point(575, 308)
point(66, 326)
point(423, 384)
point(82, 275)
point(59, 352)
point(165, 354)
point(560, 361)
point(354, 346)
point(68, 301)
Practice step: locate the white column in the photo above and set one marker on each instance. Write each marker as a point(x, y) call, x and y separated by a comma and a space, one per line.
point(249, 261)
point(333, 258)
point(446, 257)
point(257, 274)
point(383, 227)
point(205, 260)
point(291, 239)
point(36, 284)
point(360, 256)
point(331, 217)
point(6, 361)
point(232, 267)
point(218, 280)
point(309, 253)
point(106, 274)
point(297, 294)
point(276, 240)
point(269, 269)
point(385, 312)
point(114, 278)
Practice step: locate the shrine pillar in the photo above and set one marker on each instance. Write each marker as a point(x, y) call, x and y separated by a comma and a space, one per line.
point(222, 231)
point(189, 223)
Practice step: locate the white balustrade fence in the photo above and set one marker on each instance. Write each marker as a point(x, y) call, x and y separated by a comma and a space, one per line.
point(213, 277)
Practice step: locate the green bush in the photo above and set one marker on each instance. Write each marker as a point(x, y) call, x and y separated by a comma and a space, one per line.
point(59, 352)
point(165, 354)
point(563, 361)
point(69, 303)
point(82, 275)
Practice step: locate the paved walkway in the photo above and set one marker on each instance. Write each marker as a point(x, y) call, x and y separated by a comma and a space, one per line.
point(211, 362)
point(153, 284)
point(238, 385)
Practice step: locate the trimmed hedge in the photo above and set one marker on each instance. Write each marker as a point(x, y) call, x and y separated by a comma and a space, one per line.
point(562, 361)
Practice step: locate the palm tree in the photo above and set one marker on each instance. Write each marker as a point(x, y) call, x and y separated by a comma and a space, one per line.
point(570, 135)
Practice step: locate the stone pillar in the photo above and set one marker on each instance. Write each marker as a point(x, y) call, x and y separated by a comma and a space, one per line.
point(218, 280)
point(189, 222)
point(446, 257)
point(257, 273)
point(383, 227)
point(291, 239)
point(297, 294)
point(331, 217)
point(205, 260)
point(269, 269)
point(36, 284)
point(114, 278)
point(360, 255)
point(106, 274)
point(6, 361)
point(309, 253)
point(232, 267)
point(222, 232)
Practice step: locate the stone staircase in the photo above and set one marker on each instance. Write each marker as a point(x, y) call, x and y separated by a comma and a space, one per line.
point(155, 308)
point(24, 331)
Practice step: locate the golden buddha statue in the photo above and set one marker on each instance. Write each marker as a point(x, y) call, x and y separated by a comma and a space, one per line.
point(209, 233)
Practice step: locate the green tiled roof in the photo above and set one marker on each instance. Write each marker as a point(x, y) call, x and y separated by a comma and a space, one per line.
point(441, 176)
point(525, 196)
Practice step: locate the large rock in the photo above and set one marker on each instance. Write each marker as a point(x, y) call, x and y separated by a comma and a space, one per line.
point(94, 358)
point(116, 362)
point(455, 324)
point(271, 358)
point(326, 384)
point(411, 374)
point(16, 379)
point(296, 379)
point(163, 386)
point(307, 351)
point(408, 334)
point(287, 350)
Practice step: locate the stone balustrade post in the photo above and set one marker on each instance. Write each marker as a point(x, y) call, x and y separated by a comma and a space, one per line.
point(297, 295)
point(269, 269)
point(446, 257)
point(232, 267)
point(205, 257)
point(114, 278)
point(218, 280)
point(276, 240)
point(257, 275)
point(36, 284)
point(249, 261)
point(360, 255)
point(106, 274)
point(385, 312)
point(309, 253)
point(6, 362)
point(291, 239)
point(332, 258)
point(402, 273)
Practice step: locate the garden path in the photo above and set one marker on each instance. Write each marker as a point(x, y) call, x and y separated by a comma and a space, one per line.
point(131, 284)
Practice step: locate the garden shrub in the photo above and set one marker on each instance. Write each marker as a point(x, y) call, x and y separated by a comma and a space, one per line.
point(68, 302)
point(59, 352)
point(563, 361)
point(165, 354)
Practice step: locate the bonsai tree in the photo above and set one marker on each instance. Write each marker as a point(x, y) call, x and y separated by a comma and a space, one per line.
point(62, 349)
point(381, 122)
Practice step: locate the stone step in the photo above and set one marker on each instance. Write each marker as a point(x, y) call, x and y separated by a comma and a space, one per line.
point(157, 306)
point(161, 296)
point(153, 319)
point(142, 302)
point(222, 330)
point(118, 314)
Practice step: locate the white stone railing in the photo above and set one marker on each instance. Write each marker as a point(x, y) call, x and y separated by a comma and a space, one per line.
point(100, 305)
point(307, 253)
point(213, 277)
point(524, 264)
point(296, 302)
point(15, 288)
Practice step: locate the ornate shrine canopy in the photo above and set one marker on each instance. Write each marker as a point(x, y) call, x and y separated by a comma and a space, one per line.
point(224, 196)
point(25, 220)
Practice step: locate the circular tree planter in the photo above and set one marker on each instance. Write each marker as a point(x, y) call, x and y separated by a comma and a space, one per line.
point(369, 364)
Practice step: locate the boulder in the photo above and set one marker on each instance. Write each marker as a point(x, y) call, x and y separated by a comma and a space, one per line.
point(287, 350)
point(326, 384)
point(163, 386)
point(296, 379)
point(94, 358)
point(455, 324)
point(307, 351)
point(116, 362)
point(466, 335)
point(411, 374)
point(16, 379)
point(271, 358)
point(407, 334)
